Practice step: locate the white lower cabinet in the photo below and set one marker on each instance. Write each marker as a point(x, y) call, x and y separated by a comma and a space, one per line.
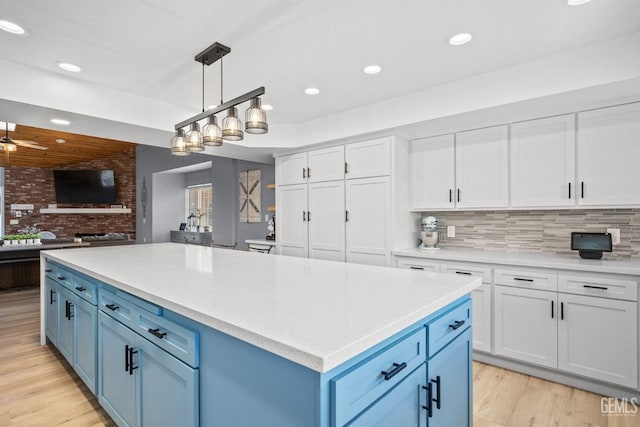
point(481, 298)
point(526, 326)
point(597, 338)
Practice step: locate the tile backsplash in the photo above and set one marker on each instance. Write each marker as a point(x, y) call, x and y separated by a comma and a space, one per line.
point(539, 231)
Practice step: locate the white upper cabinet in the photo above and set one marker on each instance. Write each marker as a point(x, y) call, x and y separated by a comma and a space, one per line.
point(368, 158)
point(433, 173)
point(543, 162)
point(608, 153)
point(482, 168)
point(291, 169)
point(326, 164)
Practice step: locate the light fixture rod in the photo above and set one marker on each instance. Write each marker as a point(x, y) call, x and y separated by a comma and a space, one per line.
point(235, 101)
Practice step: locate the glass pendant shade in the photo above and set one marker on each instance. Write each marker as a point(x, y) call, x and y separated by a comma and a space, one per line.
point(178, 144)
point(194, 138)
point(211, 133)
point(232, 126)
point(256, 118)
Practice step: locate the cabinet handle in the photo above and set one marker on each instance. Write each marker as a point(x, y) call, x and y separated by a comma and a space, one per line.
point(308, 216)
point(51, 292)
point(457, 324)
point(466, 273)
point(458, 194)
point(346, 216)
point(304, 172)
point(520, 279)
point(81, 288)
point(156, 332)
point(429, 409)
point(437, 400)
point(603, 288)
point(62, 278)
point(395, 369)
point(304, 215)
point(552, 314)
point(569, 190)
point(308, 172)
point(66, 310)
point(416, 268)
point(561, 311)
point(126, 358)
point(346, 168)
point(112, 307)
point(131, 367)
point(450, 195)
point(582, 189)
point(48, 270)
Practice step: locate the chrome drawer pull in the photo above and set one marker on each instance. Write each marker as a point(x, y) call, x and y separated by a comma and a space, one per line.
point(156, 332)
point(457, 324)
point(603, 288)
point(394, 371)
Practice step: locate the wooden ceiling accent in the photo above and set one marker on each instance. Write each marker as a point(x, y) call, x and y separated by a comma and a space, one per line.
point(76, 149)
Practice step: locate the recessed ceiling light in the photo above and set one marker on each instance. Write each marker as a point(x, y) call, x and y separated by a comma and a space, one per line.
point(460, 39)
point(372, 69)
point(312, 91)
point(267, 107)
point(13, 28)
point(577, 2)
point(67, 66)
point(62, 122)
point(60, 141)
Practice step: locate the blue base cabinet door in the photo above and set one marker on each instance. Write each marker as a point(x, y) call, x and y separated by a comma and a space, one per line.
point(85, 362)
point(51, 310)
point(168, 388)
point(450, 382)
point(66, 312)
point(401, 406)
point(117, 383)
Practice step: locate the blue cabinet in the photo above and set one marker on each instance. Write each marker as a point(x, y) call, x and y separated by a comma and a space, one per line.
point(66, 311)
point(142, 384)
point(85, 340)
point(51, 310)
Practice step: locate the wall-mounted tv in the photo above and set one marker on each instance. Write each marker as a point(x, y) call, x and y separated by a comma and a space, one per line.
point(84, 186)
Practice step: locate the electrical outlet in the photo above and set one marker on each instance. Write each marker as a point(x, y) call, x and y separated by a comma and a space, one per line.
point(615, 235)
point(451, 231)
point(14, 222)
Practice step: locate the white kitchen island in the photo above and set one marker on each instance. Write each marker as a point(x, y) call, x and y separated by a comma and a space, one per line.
point(265, 340)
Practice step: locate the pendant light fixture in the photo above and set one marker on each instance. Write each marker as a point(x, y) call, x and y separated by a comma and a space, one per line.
point(212, 134)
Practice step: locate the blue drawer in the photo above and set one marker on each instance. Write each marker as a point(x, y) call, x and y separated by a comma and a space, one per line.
point(86, 288)
point(359, 387)
point(447, 327)
point(172, 337)
point(116, 307)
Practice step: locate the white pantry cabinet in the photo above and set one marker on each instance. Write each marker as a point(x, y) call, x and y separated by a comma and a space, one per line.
point(326, 164)
point(293, 238)
point(482, 168)
point(368, 158)
point(433, 173)
point(542, 159)
point(291, 169)
point(326, 220)
point(608, 152)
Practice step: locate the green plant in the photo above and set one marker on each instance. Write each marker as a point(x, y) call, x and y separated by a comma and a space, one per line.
point(8, 237)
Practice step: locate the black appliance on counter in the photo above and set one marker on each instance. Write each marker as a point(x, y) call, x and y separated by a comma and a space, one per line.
point(591, 245)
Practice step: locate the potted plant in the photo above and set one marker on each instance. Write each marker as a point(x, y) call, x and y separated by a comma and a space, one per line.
point(9, 238)
point(22, 239)
point(36, 238)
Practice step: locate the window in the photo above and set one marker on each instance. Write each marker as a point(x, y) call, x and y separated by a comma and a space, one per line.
point(199, 199)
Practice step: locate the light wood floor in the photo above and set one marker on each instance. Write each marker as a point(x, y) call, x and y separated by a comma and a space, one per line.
point(37, 388)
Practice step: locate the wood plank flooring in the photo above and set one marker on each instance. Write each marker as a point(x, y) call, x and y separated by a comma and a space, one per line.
point(37, 387)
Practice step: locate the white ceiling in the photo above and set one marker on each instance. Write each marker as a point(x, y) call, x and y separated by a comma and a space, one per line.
point(146, 47)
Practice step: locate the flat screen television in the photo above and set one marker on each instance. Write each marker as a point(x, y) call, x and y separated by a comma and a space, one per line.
point(84, 186)
point(591, 245)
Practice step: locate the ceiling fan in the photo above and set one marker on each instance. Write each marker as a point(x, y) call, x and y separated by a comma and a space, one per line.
point(10, 145)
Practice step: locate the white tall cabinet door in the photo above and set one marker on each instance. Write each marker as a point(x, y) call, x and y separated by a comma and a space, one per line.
point(368, 158)
point(326, 219)
point(433, 173)
point(291, 169)
point(608, 153)
point(326, 164)
point(543, 162)
point(598, 338)
point(482, 168)
point(525, 328)
point(291, 220)
point(368, 204)
point(482, 331)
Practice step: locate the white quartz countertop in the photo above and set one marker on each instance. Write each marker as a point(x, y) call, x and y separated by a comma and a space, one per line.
point(565, 262)
point(316, 313)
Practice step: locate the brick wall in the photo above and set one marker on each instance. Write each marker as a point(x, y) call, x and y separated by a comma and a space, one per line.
point(35, 186)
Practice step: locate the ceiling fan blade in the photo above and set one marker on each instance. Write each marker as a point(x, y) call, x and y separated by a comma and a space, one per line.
point(30, 144)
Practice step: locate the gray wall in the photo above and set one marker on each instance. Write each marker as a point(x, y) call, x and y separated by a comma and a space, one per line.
point(224, 177)
point(168, 204)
